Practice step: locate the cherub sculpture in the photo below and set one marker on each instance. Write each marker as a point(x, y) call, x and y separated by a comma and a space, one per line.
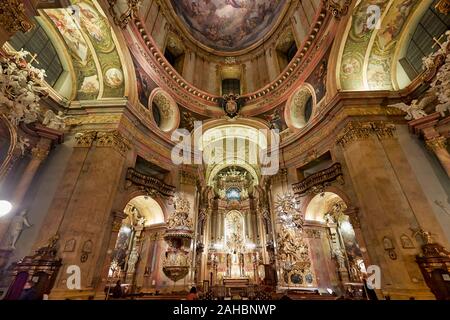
point(54, 121)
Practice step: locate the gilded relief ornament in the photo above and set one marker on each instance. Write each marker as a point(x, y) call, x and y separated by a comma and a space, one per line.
point(443, 6)
point(292, 250)
point(129, 13)
point(12, 16)
point(437, 143)
point(338, 8)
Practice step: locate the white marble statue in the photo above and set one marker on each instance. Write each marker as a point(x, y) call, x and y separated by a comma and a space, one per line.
point(21, 88)
point(132, 260)
point(414, 111)
point(54, 121)
point(18, 223)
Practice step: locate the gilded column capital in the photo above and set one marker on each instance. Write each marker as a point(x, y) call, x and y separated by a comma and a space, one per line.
point(355, 131)
point(85, 139)
point(437, 143)
point(12, 16)
point(113, 139)
point(383, 130)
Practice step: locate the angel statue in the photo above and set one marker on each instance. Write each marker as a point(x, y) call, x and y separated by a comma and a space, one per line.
point(414, 111)
point(54, 121)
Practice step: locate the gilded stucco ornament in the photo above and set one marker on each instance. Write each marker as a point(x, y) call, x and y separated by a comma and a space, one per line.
point(443, 6)
point(356, 131)
point(437, 143)
point(113, 139)
point(85, 139)
point(338, 8)
point(126, 13)
point(12, 16)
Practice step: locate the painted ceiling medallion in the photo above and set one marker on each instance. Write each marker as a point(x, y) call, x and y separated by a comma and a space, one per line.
point(228, 25)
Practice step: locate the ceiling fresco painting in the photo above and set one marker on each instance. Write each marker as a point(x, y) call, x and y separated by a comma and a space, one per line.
point(228, 25)
point(366, 62)
point(380, 60)
point(86, 29)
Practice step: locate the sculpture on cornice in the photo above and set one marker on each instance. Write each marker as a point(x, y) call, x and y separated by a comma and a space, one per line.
point(439, 63)
point(441, 84)
point(54, 121)
point(413, 111)
point(21, 88)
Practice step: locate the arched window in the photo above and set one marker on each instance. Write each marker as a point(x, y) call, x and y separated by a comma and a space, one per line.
point(432, 26)
point(44, 55)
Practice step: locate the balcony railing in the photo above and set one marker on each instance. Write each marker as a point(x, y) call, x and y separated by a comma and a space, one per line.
point(318, 179)
point(151, 184)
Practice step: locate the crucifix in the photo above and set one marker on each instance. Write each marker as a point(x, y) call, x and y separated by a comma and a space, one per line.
point(438, 42)
point(33, 58)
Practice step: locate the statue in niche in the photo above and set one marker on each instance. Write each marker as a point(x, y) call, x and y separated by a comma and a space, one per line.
point(241, 264)
point(339, 256)
point(17, 225)
point(132, 260)
point(228, 265)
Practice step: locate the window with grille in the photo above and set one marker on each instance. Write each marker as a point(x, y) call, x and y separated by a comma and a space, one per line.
point(40, 46)
point(432, 25)
point(231, 86)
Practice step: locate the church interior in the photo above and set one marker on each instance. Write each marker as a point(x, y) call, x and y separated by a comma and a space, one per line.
point(242, 149)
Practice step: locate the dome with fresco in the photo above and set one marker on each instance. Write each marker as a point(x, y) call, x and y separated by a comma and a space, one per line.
point(229, 25)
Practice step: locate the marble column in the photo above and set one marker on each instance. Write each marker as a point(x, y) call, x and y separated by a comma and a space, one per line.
point(81, 209)
point(391, 203)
